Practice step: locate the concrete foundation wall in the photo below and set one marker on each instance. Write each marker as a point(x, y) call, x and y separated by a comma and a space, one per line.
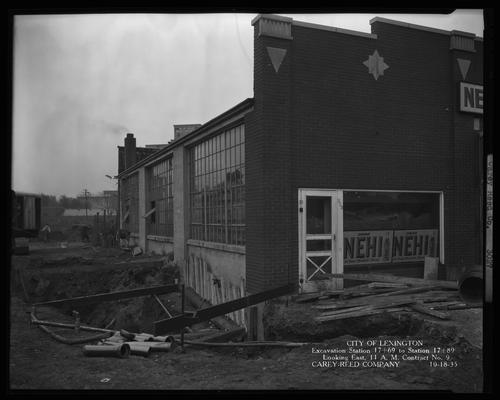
point(217, 275)
point(133, 240)
point(160, 246)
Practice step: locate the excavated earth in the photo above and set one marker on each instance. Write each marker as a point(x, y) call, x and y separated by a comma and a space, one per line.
point(37, 361)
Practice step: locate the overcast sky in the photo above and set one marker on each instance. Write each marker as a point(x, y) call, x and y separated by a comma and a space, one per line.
point(81, 82)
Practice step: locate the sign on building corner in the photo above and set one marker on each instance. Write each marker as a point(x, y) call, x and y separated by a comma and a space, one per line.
point(471, 98)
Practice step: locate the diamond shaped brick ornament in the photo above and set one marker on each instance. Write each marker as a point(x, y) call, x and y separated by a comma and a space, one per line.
point(376, 65)
point(276, 55)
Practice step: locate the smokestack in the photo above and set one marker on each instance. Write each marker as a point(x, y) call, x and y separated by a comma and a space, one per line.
point(130, 150)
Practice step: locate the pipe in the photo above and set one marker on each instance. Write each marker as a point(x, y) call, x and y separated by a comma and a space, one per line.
point(246, 344)
point(138, 350)
point(64, 340)
point(120, 351)
point(471, 285)
point(168, 338)
point(153, 346)
point(36, 321)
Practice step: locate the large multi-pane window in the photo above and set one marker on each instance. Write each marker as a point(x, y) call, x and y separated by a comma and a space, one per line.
point(160, 200)
point(218, 188)
point(129, 200)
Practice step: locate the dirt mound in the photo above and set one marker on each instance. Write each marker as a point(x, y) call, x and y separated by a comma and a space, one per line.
point(296, 322)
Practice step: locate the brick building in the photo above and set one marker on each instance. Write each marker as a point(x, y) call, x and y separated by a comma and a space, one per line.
point(358, 152)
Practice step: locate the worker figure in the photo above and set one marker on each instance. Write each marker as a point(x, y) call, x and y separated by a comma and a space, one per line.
point(85, 233)
point(45, 232)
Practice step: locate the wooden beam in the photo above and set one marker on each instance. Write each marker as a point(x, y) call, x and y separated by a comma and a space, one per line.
point(149, 213)
point(393, 278)
point(358, 314)
point(376, 300)
point(425, 310)
point(162, 305)
point(113, 296)
point(206, 314)
point(125, 217)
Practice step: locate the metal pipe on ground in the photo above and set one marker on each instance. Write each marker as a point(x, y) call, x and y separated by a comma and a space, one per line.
point(36, 321)
point(246, 344)
point(153, 346)
point(64, 340)
point(119, 351)
point(142, 346)
point(471, 285)
point(168, 338)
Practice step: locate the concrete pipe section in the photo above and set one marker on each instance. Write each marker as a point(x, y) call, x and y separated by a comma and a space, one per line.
point(138, 350)
point(471, 285)
point(119, 351)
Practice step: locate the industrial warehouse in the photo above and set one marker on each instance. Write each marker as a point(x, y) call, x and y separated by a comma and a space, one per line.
point(359, 152)
point(327, 231)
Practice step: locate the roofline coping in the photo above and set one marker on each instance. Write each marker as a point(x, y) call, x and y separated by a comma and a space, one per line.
point(273, 17)
point(423, 28)
point(334, 29)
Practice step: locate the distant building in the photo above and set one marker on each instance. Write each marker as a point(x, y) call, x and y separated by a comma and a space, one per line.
point(107, 200)
point(181, 130)
point(82, 212)
point(129, 154)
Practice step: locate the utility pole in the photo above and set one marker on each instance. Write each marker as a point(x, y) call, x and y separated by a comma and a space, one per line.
point(85, 193)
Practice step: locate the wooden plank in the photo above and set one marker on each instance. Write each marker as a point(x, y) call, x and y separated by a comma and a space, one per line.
point(408, 291)
point(163, 289)
point(305, 298)
point(444, 305)
point(427, 311)
point(149, 213)
point(206, 314)
point(224, 336)
point(464, 306)
point(385, 304)
point(162, 305)
point(347, 310)
point(358, 314)
point(393, 278)
point(387, 285)
point(369, 300)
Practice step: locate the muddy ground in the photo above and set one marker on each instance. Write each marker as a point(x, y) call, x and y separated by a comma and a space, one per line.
point(39, 362)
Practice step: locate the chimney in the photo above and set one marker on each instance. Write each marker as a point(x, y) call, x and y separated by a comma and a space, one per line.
point(184, 129)
point(130, 150)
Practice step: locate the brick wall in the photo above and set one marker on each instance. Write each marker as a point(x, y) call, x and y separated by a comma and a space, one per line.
point(322, 121)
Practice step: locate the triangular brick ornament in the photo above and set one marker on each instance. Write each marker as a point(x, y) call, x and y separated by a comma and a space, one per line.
point(464, 66)
point(276, 55)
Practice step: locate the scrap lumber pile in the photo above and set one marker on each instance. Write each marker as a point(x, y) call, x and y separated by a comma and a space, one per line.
point(384, 294)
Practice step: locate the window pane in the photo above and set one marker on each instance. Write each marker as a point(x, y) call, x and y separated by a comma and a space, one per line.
point(319, 215)
point(222, 207)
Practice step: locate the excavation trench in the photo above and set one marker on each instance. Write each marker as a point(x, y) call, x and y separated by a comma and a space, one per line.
point(64, 280)
point(282, 321)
